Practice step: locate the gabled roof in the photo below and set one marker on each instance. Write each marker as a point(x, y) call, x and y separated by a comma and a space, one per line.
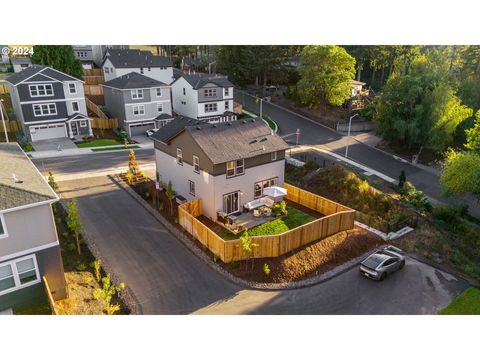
point(20, 60)
point(27, 73)
point(200, 80)
point(133, 80)
point(226, 141)
point(77, 116)
point(121, 58)
point(28, 186)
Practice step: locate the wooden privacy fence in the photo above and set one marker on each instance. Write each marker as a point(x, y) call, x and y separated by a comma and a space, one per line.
point(271, 245)
point(51, 302)
point(94, 80)
point(92, 90)
point(95, 109)
point(100, 123)
point(11, 125)
point(4, 88)
point(92, 72)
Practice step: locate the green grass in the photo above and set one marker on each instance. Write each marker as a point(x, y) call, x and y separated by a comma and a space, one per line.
point(120, 147)
point(467, 303)
point(97, 143)
point(293, 219)
point(267, 118)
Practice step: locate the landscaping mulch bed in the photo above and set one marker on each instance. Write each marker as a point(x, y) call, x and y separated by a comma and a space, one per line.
point(105, 134)
point(308, 261)
point(79, 274)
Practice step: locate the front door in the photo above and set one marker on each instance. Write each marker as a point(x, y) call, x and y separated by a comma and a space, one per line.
point(74, 128)
point(231, 202)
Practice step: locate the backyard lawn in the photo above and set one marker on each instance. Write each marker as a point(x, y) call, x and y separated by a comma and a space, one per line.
point(467, 303)
point(97, 143)
point(293, 219)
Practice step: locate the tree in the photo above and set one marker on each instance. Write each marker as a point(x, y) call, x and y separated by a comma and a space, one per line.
point(59, 57)
point(247, 246)
point(74, 223)
point(52, 182)
point(420, 109)
point(325, 74)
point(401, 179)
point(170, 193)
point(461, 173)
point(473, 136)
point(106, 293)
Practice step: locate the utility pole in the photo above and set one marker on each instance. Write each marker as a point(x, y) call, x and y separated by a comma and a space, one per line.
point(261, 108)
point(3, 120)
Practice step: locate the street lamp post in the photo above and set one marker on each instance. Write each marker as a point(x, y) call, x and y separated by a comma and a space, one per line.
point(261, 108)
point(3, 120)
point(349, 127)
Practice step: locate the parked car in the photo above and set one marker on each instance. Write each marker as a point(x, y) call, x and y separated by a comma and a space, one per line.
point(382, 263)
point(150, 132)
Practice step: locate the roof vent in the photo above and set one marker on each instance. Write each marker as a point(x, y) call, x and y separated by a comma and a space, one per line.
point(263, 147)
point(253, 141)
point(229, 124)
point(244, 122)
point(199, 128)
point(264, 139)
point(16, 180)
point(252, 120)
point(214, 125)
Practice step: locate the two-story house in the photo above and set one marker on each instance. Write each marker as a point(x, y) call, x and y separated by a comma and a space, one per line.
point(138, 102)
point(49, 104)
point(29, 247)
point(84, 53)
point(119, 62)
point(225, 164)
point(203, 97)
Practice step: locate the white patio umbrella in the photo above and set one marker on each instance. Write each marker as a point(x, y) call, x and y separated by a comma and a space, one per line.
point(275, 192)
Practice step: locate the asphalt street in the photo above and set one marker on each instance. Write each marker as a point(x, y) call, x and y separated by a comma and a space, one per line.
point(167, 278)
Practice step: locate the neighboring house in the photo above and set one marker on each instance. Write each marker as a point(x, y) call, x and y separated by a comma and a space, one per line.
point(84, 53)
point(203, 97)
point(226, 164)
point(98, 52)
point(356, 87)
point(49, 104)
point(29, 247)
point(4, 59)
point(119, 62)
point(293, 61)
point(138, 102)
point(20, 63)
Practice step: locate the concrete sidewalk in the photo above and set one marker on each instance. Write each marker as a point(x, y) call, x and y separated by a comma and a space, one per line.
point(84, 151)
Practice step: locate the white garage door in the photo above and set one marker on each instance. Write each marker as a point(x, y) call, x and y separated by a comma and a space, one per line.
point(139, 129)
point(43, 132)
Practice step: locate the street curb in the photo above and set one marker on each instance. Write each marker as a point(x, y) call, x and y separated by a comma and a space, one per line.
point(187, 242)
point(127, 294)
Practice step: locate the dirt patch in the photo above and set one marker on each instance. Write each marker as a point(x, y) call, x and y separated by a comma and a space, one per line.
point(81, 286)
point(105, 134)
point(309, 261)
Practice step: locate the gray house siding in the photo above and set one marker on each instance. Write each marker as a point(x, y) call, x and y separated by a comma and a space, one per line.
point(114, 103)
point(29, 116)
point(203, 98)
point(50, 265)
point(24, 92)
point(127, 97)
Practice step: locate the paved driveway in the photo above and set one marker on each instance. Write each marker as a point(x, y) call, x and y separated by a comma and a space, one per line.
point(168, 279)
point(52, 144)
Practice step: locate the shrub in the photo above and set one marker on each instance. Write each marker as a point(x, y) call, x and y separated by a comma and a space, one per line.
point(65, 235)
point(71, 247)
point(81, 267)
point(446, 214)
point(266, 269)
point(416, 198)
point(96, 265)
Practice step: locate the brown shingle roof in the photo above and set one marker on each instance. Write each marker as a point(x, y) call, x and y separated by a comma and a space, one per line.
point(30, 187)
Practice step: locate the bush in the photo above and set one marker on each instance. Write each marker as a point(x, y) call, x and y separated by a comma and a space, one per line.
point(81, 267)
point(416, 198)
point(71, 247)
point(446, 214)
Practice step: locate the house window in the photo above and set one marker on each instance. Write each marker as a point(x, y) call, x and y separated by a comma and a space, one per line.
point(226, 92)
point(159, 92)
point(83, 123)
point(44, 109)
point(191, 187)
point(226, 105)
point(184, 92)
point(3, 227)
point(235, 168)
point(75, 107)
point(141, 70)
point(259, 186)
point(18, 273)
point(274, 156)
point(160, 107)
point(210, 92)
point(72, 88)
point(184, 103)
point(137, 94)
point(139, 110)
point(41, 90)
point(211, 107)
point(106, 70)
point(231, 202)
point(196, 164)
point(149, 68)
point(179, 156)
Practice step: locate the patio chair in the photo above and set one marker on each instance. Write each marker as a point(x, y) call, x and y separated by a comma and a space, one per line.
point(267, 211)
point(256, 212)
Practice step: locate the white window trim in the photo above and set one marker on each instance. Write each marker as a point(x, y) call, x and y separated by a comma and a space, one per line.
point(179, 156)
point(42, 114)
point(160, 110)
point(235, 166)
point(4, 227)
point(36, 87)
point(208, 105)
point(83, 123)
point(197, 163)
point(16, 277)
point(190, 182)
point(160, 92)
point(139, 107)
point(274, 156)
point(70, 90)
point(135, 94)
point(78, 106)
